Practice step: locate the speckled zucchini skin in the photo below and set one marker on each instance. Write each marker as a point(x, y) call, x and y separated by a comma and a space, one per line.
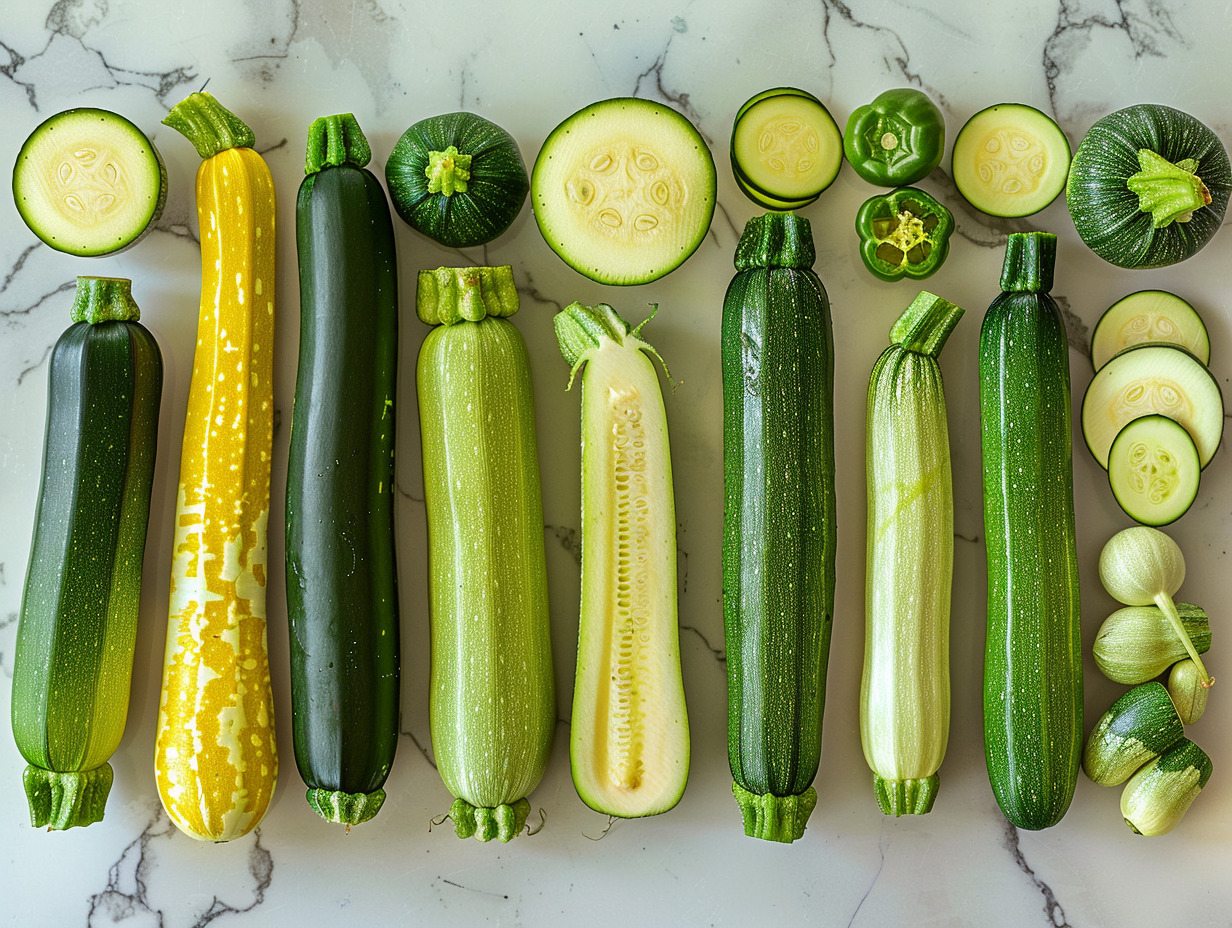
point(1033, 656)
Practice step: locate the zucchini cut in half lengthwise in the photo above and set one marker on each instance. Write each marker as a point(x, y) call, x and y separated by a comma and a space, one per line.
point(1147, 380)
point(1154, 470)
point(1010, 160)
point(1149, 316)
point(88, 182)
point(629, 741)
point(624, 190)
point(786, 146)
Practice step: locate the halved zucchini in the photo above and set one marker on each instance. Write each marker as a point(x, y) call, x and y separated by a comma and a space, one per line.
point(785, 145)
point(1010, 160)
point(88, 182)
point(1154, 316)
point(624, 190)
point(1152, 380)
point(1154, 470)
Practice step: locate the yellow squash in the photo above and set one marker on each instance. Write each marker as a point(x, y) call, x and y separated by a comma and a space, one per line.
point(215, 759)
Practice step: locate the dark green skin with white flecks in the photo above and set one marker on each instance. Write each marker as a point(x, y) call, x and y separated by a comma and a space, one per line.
point(75, 641)
point(1033, 656)
point(779, 521)
point(1142, 724)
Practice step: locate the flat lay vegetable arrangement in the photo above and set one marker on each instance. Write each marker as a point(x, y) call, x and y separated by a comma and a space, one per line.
point(623, 191)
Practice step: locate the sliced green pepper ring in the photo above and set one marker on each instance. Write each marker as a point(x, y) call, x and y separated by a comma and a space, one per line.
point(897, 139)
point(904, 233)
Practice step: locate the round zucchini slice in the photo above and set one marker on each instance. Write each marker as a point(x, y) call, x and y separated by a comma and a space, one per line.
point(766, 201)
point(1010, 160)
point(88, 182)
point(1153, 380)
point(624, 190)
point(1154, 470)
point(1154, 316)
point(785, 146)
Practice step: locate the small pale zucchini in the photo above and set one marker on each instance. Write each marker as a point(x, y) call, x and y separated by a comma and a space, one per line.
point(1157, 797)
point(75, 640)
point(1187, 692)
point(905, 691)
point(1138, 643)
point(215, 759)
point(492, 705)
point(1140, 725)
point(629, 739)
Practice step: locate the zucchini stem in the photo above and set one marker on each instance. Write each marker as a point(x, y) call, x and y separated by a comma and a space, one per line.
point(334, 141)
point(209, 125)
point(1168, 608)
point(1169, 192)
point(104, 299)
point(448, 171)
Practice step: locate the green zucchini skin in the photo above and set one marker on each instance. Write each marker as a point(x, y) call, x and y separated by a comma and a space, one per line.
point(1033, 657)
point(342, 600)
point(76, 636)
point(492, 702)
point(779, 521)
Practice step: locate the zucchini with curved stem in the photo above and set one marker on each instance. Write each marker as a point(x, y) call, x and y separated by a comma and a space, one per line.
point(629, 739)
point(77, 633)
point(778, 522)
point(1138, 643)
point(492, 703)
point(215, 757)
point(1033, 650)
point(342, 600)
point(905, 688)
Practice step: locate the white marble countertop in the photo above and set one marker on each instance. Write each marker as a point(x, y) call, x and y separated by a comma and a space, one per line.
point(282, 63)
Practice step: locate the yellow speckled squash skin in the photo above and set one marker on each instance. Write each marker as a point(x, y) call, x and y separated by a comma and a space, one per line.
point(215, 758)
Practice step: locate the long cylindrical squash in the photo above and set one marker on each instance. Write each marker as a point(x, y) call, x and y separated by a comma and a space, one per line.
point(215, 760)
point(75, 640)
point(629, 738)
point(778, 525)
point(905, 691)
point(342, 602)
point(1033, 653)
point(492, 704)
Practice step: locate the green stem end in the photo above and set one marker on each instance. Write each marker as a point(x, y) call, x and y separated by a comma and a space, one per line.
point(581, 329)
point(209, 125)
point(925, 325)
point(104, 299)
point(448, 171)
point(906, 797)
point(503, 822)
point(345, 808)
point(60, 801)
point(1029, 260)
point(1168, 608)
point(775, 818)
point(449, 295)
point(1169, 192)
point(334, 141)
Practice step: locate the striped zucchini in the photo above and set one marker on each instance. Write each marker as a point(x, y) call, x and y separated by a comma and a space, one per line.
point(778, 523)
point(1142, 724)
point(905, 692)
point(215, 760)
point(492, 703)
point(1033, 654)
point(342, 602)
point(75, 640)
point(629, 739)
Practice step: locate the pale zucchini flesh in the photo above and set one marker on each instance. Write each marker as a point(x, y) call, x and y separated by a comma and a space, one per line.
point(1154, 470)
point(1154, 316)
point(786, 145)
point(1010, 160)
point(629, 740)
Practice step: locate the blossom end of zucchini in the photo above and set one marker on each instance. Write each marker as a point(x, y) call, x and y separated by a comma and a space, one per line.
point(60, 801)
point(914, 796)
point(775, 818)
point(502, 822)
point(348, 809)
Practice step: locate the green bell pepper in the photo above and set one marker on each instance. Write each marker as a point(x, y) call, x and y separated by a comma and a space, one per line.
point(895, 140)
point(905, 233)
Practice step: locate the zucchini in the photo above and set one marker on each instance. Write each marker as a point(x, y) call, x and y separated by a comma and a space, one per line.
point(778, 522)
point(1010, 160)
point(624, 190)
point(1154, 470)
point(88, 182)
point(1149, 186)
point(1140, 725)
point(905, 689)
point(1187, 692)
point(1033, 653)
point(457, 178)
point(629, 739)
point(1157, 797)
point(492, 706)
point(215, 757)
point(1147, 380)
point(1138, 643)
point(785, 145)
point(342, 600)
point(1154, 316)
point(73, 662)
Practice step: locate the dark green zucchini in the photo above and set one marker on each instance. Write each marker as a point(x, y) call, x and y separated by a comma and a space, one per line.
point(1033, 656)
point(341, 596)
point(1140, 725)
point(74, 659)
point(778, 525)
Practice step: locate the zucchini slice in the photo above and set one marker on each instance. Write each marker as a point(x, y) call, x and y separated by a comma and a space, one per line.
point(1154, 316)
point(785, 145)
point(624, 190)
point(88, 182)
point(1154, 470)
point(1152, 380)
point(1010, 160)
point(766, 201)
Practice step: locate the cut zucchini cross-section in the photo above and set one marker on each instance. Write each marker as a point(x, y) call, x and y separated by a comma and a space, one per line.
point(1154, 470)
